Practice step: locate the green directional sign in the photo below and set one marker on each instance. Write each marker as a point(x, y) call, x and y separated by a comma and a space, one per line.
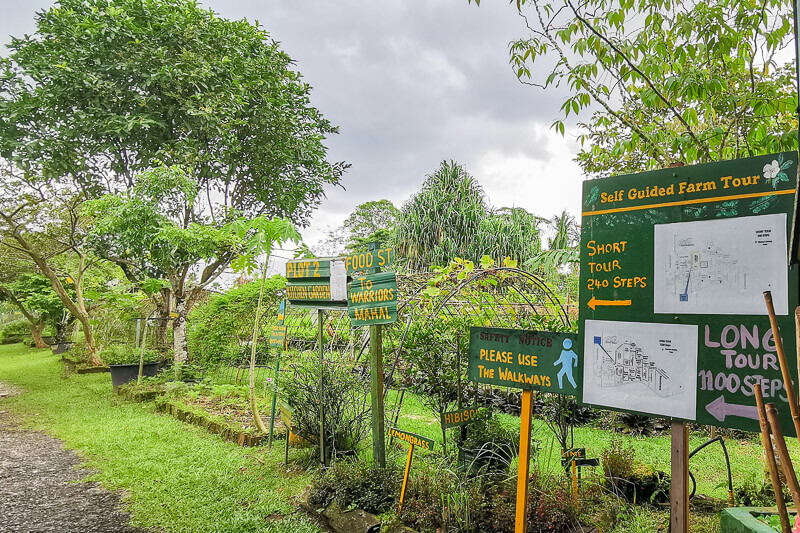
point(463, 416)
point(277, 336)
point(372, 299)
point(525, 359)
point(412, 438)
point(366, 261)
point(674, 264)
point(317, 283)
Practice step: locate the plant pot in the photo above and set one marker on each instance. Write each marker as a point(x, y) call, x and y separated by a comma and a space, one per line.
point(48, 339)
point(121, 374)
point(61, 347)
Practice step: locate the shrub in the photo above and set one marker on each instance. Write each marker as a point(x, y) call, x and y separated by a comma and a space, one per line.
point(345, 397)
point(124, 354)
point(356, 484)
point(217, 329)
point(753, 493)
point(630, 479)
point(15, 331)
point(491, 444)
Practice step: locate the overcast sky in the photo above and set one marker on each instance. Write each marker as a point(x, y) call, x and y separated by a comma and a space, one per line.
point(410, 84)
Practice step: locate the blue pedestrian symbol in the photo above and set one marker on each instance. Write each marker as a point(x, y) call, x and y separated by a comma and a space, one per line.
point(568, 361)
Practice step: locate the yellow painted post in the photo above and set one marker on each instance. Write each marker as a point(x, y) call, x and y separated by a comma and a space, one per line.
point(405, 477)
point(521, 522)
point(574, 482)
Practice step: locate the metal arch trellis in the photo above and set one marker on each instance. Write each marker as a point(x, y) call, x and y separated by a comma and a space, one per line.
point(514, 279)
point(515, 298)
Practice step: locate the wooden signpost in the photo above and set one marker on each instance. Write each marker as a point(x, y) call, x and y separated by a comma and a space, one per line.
point(674, 264)
point(527, 360)
point(319, 283)
point(413, 440)
point(372, 301)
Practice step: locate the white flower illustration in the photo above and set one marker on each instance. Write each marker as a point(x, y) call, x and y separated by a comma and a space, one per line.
point(771, 170)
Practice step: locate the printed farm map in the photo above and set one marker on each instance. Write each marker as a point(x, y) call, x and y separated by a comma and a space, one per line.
point(717, 266)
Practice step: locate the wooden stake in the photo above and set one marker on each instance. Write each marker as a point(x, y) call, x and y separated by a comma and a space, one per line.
point(376, 377)
point(787, 377)
point(679, 484)
point(405, 477)
point(320, 320)
point(523, 472)
point(770, 456)
point(797, 342)
point(783, 453)
point(574, 482)
point(275, 398)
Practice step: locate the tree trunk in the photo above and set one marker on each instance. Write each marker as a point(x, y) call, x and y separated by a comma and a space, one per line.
point(179, 344)
point(36, 331)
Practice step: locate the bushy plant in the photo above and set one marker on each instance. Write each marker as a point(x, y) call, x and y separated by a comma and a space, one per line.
point(630, 479)
point(125, 354)
point(345, 397)
point(757, 493)
point(15, 331)
point(217, 330)
point(352, 483)
point(489, 446)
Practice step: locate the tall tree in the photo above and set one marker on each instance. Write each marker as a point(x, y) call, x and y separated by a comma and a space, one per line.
point(103, 91)
point(144, 233)
point(369, 222)
point(441, 221)
point(667, 81)
point(41, 222)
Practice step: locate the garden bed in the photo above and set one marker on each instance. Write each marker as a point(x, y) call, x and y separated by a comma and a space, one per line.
point(219, 415)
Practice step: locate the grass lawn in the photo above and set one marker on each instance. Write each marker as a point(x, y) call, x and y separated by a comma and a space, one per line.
point(176, 477)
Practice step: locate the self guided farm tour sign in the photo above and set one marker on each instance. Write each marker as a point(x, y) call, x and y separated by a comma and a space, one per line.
point(674, 264)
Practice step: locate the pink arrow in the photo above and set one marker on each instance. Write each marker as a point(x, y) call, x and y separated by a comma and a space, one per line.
point(719, 410)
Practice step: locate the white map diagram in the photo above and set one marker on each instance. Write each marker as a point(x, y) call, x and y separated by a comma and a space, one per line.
point(642, 367)
point(721, 266)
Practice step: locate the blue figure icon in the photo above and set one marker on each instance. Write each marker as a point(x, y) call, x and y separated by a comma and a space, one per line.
point(568, 360)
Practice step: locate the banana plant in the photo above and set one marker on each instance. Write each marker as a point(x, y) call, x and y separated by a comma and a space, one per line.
point(259, 236)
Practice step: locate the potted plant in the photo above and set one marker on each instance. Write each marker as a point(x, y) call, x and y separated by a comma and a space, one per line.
point(123, 362)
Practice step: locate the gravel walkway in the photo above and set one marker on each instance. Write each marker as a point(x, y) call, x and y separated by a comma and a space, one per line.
point(39, 491)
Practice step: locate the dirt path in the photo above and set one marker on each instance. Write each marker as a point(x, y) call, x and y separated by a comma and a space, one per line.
point(38, 489)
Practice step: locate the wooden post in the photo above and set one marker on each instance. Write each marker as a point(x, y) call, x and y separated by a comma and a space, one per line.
point(376, 364)
point(768, 451)
point(574, 482)
point(787, 377)
point(275, 399)
point(320, 320)
point(797, 344)
point(679, 485)
point(405, 477)
point(523, 471)
point(783, 453)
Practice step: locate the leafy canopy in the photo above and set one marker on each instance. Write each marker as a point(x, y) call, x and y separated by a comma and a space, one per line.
point(667, 81)
point(450, 218)
point(102, 90)
point(143, 231)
